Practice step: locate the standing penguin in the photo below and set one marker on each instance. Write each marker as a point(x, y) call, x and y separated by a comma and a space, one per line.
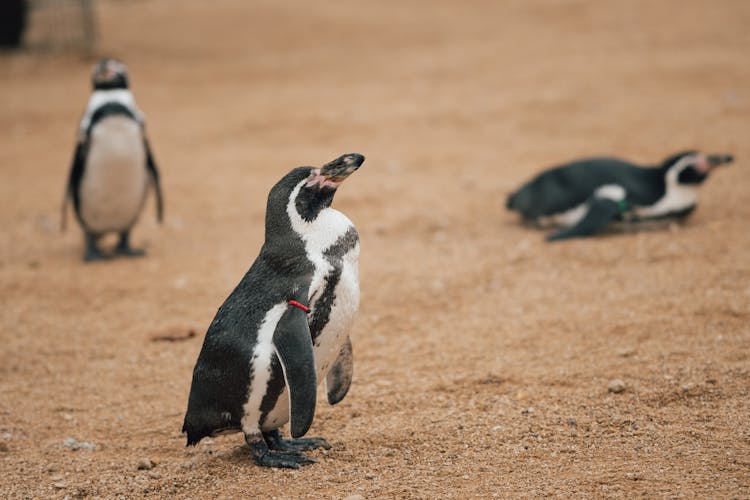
point(585, 195)
point(285, 326)
point(112, 164)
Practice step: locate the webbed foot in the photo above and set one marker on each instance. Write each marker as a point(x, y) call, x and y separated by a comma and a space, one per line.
point(264, 457)
point(277, 442)
point(92, 253)
point(124, 249)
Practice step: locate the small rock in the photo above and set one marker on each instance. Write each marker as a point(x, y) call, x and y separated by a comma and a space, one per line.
point(572, 422)
point(154, 474)
point(687, 387)
point(56, 477)
point(527, 411)
point(59, 485)
point(369, 476)
point(497, 428)
point(4, 447)
point(626, 352)
point(616, 386)
point(354, 497)
point(145, 464)
point(74, 444)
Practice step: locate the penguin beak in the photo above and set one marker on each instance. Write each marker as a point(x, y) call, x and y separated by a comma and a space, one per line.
point(719, 159)
point(334, 173)
point(706, 163)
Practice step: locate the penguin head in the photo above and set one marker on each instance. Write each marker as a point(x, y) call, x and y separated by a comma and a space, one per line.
point(693, 167)
point(309, 190)
point(109, 74)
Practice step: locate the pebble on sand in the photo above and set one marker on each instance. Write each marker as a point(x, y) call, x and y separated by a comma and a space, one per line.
point(74, 444)
point(616, 386)
point(145, 464)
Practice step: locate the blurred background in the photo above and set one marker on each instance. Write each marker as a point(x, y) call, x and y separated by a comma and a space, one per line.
point(483, 355)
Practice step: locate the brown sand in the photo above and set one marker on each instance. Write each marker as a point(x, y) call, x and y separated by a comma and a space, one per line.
point(483, 354)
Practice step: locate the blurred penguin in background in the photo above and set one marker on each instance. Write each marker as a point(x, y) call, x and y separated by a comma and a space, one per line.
point(584, 196)
point(113, 166)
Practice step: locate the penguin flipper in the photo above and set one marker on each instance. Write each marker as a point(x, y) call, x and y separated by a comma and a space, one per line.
point(74, 180)
point(339, 377)
point(294, 349)
point(606, 203)
point(154, 172)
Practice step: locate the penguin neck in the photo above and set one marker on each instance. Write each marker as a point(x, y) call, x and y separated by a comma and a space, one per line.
point(319, 233)
point(101, 97)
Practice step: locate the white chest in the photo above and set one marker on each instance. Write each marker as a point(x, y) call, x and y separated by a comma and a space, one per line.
point(115, 180)
point(319, 237)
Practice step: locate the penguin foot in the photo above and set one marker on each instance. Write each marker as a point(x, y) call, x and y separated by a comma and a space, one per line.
point(124, 249)
point(263, 456)
point(277, 442)
point(93, 255)
point(130, 252)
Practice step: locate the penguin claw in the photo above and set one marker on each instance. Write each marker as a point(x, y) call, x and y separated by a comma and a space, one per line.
point(303, 444)
point(276, 442)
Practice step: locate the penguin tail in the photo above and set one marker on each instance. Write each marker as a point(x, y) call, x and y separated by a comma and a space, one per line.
point(193, 435)
point(510, 203)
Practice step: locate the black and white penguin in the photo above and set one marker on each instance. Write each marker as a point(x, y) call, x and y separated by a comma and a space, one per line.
point(112, 165)
point(583, 196)
point(285, 326)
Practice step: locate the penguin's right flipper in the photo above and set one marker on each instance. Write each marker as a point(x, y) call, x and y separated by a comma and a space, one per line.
point(606, 203)
point(339, 377)
point(154, 172)
point(74, 180)
point(294, 348)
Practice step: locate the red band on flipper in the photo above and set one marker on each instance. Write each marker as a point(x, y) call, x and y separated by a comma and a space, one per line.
point(299, 305)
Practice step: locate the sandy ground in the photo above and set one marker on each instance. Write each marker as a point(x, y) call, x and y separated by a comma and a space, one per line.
point(483, 354)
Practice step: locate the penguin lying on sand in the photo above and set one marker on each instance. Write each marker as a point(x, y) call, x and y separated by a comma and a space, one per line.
point(285, 326)
point(586, 195)
point(112, 164)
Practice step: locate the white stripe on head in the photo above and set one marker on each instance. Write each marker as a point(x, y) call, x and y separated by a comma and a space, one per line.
point(677, 196)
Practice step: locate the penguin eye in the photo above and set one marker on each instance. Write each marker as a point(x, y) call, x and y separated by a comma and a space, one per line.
point(691, 175)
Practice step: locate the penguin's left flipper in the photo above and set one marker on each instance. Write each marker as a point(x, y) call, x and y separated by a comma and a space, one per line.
point(154, 172)
point(606, 203)
point(293, 345)
point(74, 180)
point(339, 377)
